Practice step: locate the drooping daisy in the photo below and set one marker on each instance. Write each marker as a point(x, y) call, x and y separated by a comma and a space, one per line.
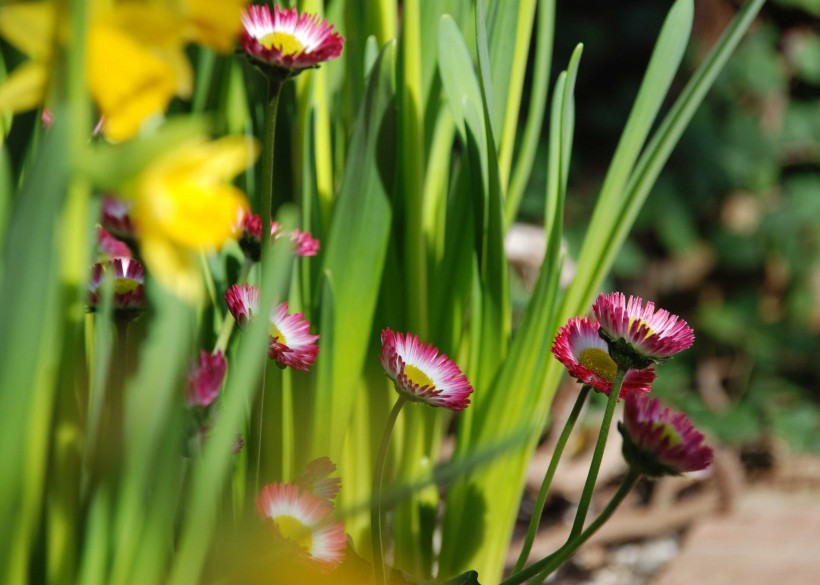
point(639, 336)
point(421, 374)
point(243, 302)
point(129, 280)
point(304, 244)
point(287, 41)
point(315, 479)
point(302, 519)
point(582, 351)
point(291, 343)
point(660, 442)
point(205, 378)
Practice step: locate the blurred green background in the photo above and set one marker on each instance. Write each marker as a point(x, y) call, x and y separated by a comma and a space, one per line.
point(730, 236)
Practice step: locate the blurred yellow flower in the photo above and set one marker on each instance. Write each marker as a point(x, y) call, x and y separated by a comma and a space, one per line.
point(135, 65)
point(184, 204)
point(215, 24)
point(30, 29)
point(135, 62)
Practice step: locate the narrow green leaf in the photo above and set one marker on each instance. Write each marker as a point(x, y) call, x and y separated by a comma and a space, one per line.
point(210, 475)
point(598, 247)
point(29, 348)
point(457, 72)
point(517, 392)
point(355, 251)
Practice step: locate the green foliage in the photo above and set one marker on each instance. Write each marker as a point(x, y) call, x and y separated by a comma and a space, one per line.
point(407, 157)
point(730, 235)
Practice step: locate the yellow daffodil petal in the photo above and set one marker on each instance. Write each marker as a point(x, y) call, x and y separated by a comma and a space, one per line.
point(186, 197)
point(128, 82)
point(221, 159)
point(189, 213)
point(24, 89)
point(159, 30)
point(29, 27)
point(175, 269)
point(214, 24)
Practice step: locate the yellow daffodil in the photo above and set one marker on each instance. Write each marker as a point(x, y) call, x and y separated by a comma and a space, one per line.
point(214, 24)
point(30, 29)
point(136, 61)
point(135, 65)
point(184, 204)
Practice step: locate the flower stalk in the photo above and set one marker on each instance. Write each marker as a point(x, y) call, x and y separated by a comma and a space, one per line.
point(377, 535)
point(545, 485)
point(268, 150)
point(540, 570)
point(598, 454)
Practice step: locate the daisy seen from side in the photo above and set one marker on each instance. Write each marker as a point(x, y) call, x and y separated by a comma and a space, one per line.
point(638, 335)
point(658, 441)
point(585, 355)
point(421, 374)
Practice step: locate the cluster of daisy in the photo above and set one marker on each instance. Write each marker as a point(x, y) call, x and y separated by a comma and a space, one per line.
point(300, 514)
point(115, 262)
point(250, 239)
point(629, 336)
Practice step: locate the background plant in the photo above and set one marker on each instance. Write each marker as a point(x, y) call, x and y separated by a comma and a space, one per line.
point(407, 158)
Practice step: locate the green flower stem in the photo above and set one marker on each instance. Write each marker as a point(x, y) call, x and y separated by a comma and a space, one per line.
point(379, 568)
point(545, 485)
point(547, 565)
point(598, 455)
point(268, 142)
point(209, 277)
point(228, 322)
point(288, 430)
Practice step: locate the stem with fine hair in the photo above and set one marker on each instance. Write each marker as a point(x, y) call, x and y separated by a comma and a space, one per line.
point(545, 485)
point(268, 143)
point(379, 568)
point(598, 455)
point(543, 568)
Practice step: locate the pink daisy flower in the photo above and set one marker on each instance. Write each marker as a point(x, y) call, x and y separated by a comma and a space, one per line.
point(585, 355)
point(243, 302)
point(250, 240)
point(109, 247)
point(291, 343)
point(301, 519)
point(284, 39)
point(660, 442)
point(116, 216)
point(420, 373)
point(205, 378)
point(639, 335)
point(129, 281)
point(304, 244)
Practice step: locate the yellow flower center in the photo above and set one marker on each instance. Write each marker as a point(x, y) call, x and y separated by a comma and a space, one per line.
point(295, 531)
point(598, 361)
point(640, 323)
point(669, 434)
point(125, 285)
point(417, 377)
point(278, 335)
point(287, 43)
